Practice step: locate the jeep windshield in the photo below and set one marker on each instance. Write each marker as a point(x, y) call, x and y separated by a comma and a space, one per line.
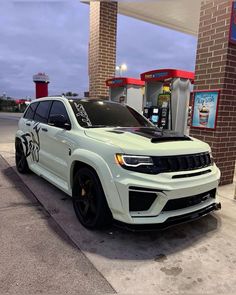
point(101, 114)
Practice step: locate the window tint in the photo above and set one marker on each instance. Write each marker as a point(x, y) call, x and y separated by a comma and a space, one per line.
point(29, 114)
point(58, 108)
point(41, 114)
point(92, 114)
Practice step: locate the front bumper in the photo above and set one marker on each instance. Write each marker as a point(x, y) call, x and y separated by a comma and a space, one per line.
point(171, 221)
point(166, 187)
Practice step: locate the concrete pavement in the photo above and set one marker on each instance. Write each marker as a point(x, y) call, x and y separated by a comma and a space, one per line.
point(10, 116)
point(195, 258)
point(36, 255)
point(7, 129)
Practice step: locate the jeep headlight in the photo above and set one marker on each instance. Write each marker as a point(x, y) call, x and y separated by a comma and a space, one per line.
point(131, 161)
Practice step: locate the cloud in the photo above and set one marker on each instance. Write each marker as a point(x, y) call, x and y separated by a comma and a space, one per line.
point(153, 47)
point(52, 36)
point(49, 37)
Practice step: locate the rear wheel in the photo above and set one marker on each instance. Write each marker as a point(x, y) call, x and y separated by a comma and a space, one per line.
point(20, 158)
point(89, 201)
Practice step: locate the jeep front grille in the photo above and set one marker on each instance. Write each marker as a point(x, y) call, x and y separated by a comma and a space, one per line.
point(182, 162)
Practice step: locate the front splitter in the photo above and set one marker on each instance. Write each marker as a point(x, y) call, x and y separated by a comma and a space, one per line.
point(171, 221)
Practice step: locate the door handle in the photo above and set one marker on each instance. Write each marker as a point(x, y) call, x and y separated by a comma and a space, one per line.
point(44, 129)
point(28, 124)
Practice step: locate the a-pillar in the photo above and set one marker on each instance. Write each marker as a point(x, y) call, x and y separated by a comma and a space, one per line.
point(102, 46)
point(216, 69)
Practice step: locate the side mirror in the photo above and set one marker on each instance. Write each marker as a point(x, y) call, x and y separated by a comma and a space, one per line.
point(59, 121)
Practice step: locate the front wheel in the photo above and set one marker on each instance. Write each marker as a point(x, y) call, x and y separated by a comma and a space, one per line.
point(20, 158)
point(89, 201)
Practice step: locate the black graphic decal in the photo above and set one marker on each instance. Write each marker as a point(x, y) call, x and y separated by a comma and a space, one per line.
point(154, 134)
point(32, 143)
point(82, 113)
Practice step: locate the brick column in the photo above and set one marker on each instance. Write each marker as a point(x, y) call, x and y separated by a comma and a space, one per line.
point(216, 69)
point(102, 46)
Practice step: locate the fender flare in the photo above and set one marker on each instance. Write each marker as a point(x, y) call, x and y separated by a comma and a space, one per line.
point(104, 173)
point(18, 136)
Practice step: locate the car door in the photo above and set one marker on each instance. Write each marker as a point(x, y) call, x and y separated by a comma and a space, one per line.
point(25, 125)
point(39, 154)
point(57, 143)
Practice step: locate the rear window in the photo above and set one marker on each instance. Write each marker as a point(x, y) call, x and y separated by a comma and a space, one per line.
point(41, 114)
point(95, 114)
point(29, 114)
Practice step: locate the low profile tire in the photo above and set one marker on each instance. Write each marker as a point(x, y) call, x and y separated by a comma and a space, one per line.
point(89, 201)
point(20, 158)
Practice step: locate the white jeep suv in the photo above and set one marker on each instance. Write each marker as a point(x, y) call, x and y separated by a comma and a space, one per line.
point(115, 164)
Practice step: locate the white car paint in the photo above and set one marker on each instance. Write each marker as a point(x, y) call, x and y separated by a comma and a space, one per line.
point(60, 149)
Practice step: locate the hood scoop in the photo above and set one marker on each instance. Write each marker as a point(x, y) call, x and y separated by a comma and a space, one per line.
point(116, 131)
point(170, 138)
point(154, 134)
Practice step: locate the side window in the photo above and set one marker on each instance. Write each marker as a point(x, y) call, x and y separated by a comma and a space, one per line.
point(58, 108)
point(41, 114)
point(29, 114)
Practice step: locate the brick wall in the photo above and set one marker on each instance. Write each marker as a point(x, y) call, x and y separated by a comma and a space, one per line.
point(216, 69)
point(102, 47)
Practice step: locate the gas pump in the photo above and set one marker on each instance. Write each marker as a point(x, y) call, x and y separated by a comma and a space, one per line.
point(127, 90)
point(166, 101)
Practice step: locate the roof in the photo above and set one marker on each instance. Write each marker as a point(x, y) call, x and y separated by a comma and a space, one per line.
point(179, 15)
point(66, 98)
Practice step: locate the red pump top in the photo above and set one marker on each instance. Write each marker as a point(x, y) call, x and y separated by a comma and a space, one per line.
point(166, 74)
point(123, 81)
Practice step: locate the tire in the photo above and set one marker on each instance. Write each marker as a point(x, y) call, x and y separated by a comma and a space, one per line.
point(20, 159)
point(89, 201)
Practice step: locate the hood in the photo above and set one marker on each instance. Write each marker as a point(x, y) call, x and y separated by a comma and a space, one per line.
point(148, 141)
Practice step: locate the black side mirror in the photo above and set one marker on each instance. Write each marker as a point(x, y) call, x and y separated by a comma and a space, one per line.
point(59, 121)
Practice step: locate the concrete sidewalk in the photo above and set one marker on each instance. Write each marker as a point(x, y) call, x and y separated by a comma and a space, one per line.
point(36, 256)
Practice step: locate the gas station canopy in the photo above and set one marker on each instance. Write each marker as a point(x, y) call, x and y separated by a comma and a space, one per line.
point(179, 15)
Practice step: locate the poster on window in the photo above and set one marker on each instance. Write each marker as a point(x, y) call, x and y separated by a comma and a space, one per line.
point(205, 109)
point(232, 34)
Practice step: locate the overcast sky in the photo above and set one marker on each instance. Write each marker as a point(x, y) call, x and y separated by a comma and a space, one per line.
point(52, 36)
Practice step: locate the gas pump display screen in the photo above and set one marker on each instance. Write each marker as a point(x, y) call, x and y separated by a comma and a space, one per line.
point(154, 118)
point(155, 111)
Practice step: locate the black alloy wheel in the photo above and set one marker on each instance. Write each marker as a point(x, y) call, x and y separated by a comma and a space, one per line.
point(89, 201)
point(20, 159)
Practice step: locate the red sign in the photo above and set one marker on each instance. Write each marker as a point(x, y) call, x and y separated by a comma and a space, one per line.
point(121, 81)
point(165, 74)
